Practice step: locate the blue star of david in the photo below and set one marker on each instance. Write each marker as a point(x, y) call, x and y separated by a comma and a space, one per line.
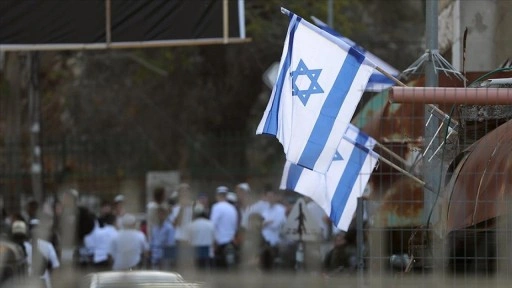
point(314, 87)
point(337, 157)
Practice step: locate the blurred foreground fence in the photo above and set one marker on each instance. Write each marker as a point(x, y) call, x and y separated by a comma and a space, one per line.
point(464, 230)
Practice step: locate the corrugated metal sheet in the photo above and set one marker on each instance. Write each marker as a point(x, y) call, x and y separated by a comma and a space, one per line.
point(480, 185)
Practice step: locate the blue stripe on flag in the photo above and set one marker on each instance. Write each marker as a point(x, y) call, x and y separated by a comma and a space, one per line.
point(330, 109)
point(362, 139)
point(271, 124)
point(294, 173)
point(356, 54)
point(346, 184)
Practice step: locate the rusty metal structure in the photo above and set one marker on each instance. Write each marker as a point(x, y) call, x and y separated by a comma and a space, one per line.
point(477, 165)
point(451, 95)
point(477, 188)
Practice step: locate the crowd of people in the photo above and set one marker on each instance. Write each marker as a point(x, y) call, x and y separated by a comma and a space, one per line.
point(179, 231)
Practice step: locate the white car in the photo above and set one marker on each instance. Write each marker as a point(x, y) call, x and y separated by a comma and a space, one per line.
point(137, 278)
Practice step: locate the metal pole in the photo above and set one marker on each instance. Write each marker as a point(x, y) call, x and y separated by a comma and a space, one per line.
point(432, 168)
point(108, 22)
point(330, 13)
point(451, 95)
point(35, 126)
point(36, 170)
point(225, 21)
point(432, 41)
point(360, 239)
point(11, 107)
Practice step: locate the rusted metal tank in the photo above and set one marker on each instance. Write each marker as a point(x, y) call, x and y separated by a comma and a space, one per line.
point(477, 194)
point(479, 186)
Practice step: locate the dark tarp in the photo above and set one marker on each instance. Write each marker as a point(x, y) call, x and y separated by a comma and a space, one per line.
point(51, 22)
point(79, 21)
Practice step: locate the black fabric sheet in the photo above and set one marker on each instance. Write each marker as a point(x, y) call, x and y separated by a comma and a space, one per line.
point(51, 22)
point(83, 21)
point(164, 20)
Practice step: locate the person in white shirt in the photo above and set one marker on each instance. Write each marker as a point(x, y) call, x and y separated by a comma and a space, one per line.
point(247, 205)
point(119, 210)
point(47, 255)
point(274, 217)
point(129, 247)
point(99, 241)
point(180, 216)
point(224, 217)
point(201, 236)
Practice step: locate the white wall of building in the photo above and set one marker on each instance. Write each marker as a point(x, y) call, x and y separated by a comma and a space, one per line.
point(489, 40)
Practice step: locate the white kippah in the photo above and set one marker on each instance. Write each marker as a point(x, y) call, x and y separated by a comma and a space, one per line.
point(222, 189)
point(244, 186)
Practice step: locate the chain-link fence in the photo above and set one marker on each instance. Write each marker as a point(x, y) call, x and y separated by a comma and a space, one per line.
point(459, 229)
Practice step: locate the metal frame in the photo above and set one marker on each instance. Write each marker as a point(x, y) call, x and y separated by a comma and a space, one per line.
point(108, 44)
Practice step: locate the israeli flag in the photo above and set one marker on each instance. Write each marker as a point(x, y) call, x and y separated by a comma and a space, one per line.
point(337, 190)
point(320, 82)
point(378, 81)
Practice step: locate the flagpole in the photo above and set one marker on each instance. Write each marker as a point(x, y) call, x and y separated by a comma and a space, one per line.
point(404, 172)
point(396, 156)
point(390, 76)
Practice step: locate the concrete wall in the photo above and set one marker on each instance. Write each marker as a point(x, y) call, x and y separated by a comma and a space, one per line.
point(489, 40)
point(503, 39)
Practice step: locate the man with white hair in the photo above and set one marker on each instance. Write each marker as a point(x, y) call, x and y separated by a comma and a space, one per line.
point(129, 247)
point(225, 221)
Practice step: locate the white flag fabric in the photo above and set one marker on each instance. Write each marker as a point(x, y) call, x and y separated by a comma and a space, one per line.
point(337, 190)
point(377, 81)
point(321, 80)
